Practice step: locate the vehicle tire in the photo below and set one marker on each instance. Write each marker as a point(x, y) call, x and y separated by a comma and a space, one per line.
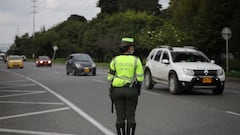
point(74, 71)
point(173, 84)
point(218, 90)
point(148, 83)
point(94, 73)
point(67, 73)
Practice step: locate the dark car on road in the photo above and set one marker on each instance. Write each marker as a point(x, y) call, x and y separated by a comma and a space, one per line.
point(80, 64)
point(43, 61)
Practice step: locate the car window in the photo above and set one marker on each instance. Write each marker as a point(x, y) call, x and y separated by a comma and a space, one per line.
point(165, 55)
point(158, 55)
point(82, 57)
point(14, 58)
point(43, 57)
point(151, 54)
point(188, 57)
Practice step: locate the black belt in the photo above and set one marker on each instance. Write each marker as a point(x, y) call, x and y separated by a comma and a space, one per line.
point(127, 85)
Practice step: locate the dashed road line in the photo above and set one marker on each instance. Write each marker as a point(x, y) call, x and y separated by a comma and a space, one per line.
point(35, 103)
point(20, 91)
point(34, 113)
point(101, 81)
point(10, 82)
point(233, 113)
point(23, 94)
point(149, 92)
point(97, 124)
point(28, 132)
point(17, 86)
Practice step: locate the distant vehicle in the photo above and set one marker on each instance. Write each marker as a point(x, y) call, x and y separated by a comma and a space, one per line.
point(80, 64)
point(14, 61)
point(3, 57)
point(43, 61)
point(183, 68)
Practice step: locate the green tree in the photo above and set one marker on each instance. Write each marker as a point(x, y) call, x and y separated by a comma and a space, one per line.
point(108, 6)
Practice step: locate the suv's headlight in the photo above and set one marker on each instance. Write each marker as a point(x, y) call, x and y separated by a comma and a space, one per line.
point(78, 65)
point(220, 72)
point(188, 72)
point(93, 65)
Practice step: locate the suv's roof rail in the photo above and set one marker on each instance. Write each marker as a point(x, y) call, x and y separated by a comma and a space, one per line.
point(190, 47)
point(165, 46)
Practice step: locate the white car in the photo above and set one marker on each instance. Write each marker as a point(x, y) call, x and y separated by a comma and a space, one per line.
point(183, 68)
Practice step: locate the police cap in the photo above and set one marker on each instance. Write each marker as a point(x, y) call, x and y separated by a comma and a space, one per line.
point(127, 42)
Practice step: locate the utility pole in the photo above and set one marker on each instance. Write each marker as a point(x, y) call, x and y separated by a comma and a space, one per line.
point(34, 12)
point(33, 34)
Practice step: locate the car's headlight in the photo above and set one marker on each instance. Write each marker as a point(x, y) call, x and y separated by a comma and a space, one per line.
point(78, 65)
point(220, 72)
point(93, 65)
point(188, 72)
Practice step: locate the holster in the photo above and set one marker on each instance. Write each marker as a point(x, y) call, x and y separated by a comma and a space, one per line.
point(138, 87)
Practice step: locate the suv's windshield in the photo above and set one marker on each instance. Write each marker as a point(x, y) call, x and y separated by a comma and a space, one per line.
point(188, 57)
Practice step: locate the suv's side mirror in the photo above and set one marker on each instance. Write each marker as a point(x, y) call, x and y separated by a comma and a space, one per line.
point(212, 61)
point(165, 61)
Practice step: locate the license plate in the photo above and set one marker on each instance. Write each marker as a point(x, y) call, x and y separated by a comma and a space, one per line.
point(207, 80)
point(86, 70)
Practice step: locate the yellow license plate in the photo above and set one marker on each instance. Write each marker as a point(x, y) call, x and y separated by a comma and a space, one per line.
point(207, 80)
point(86, 70)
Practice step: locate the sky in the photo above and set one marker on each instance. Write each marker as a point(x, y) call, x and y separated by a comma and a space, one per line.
point(16, 16)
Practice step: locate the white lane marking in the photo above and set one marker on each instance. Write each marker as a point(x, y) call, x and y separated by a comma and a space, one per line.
point(33, 113)
point(101, 81)
point(10, 82)
point(35, 103)
point(149, 92)
point(20, 91)
point(17, 86)
point(76, 109)
point(233, 113)
point(23, 94)
point(55, 72)
point(28, 132)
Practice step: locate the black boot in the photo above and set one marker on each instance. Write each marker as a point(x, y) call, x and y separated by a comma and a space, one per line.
point(131, 128)
point(120, 128)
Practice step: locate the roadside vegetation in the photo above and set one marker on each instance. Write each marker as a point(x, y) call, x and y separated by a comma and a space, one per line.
point(184, 22)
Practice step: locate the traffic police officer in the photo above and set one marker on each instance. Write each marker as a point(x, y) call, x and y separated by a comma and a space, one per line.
point(125, 74)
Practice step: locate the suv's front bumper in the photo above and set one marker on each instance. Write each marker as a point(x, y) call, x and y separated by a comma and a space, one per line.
point(200, 82)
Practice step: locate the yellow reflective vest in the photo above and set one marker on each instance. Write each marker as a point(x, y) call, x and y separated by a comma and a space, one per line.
point(125, 69)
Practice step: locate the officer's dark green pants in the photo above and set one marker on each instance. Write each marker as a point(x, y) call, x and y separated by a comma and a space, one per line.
point(126, 100)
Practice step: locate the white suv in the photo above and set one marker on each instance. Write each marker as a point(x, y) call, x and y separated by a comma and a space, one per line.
point(182, 68)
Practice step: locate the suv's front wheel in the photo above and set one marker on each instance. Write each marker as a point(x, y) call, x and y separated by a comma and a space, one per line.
point(173, 84)
point(148, 83)
point(218, 90)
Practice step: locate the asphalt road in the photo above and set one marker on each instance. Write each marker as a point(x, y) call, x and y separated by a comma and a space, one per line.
point(45, 101)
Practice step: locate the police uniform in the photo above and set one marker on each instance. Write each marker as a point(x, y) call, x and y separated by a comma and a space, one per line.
point(125, 74)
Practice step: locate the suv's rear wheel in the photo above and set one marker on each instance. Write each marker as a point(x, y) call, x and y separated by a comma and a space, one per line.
point(173, 84)
point(148, 83)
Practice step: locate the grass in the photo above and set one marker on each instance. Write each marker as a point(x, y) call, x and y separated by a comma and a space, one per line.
point(233, 73)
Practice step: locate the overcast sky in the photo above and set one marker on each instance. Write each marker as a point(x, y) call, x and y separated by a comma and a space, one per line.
point(16, 17)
